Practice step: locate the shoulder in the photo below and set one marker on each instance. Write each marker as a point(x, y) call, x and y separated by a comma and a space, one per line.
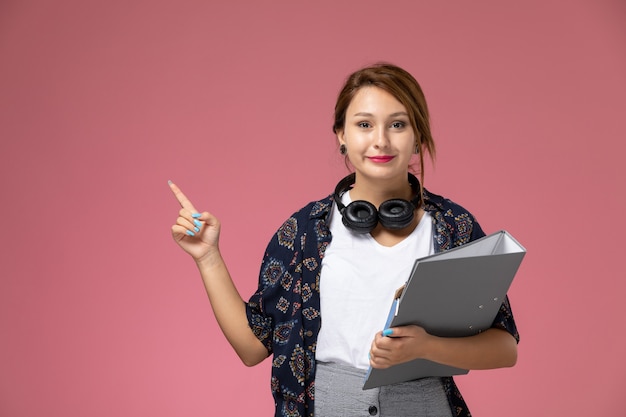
point(318, 209)
point(313, 211)
point(312, 215)
point(436, 203)
point(455, 225)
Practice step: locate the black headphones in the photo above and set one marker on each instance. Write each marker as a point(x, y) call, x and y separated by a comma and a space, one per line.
point(361, 216)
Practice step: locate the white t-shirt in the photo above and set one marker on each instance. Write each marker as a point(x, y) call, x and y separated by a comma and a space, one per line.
point(358, 281)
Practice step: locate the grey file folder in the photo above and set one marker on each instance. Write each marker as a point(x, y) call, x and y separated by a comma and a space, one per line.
point(452, 294)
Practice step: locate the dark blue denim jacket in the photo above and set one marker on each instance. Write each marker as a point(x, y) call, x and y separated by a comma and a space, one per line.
point(284, 313)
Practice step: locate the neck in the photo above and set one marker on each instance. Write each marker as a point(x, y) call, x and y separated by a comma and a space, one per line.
point(378, 190)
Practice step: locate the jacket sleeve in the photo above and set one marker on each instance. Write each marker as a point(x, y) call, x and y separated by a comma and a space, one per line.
point(504, 319)
point(267, 305)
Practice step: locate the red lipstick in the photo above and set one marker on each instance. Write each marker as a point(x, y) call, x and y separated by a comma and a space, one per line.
point(381, 159)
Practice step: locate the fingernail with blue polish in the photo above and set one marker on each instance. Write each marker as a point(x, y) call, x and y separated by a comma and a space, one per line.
point(195, 229)
point(196, 215)
point(387, 332)
point(197, 223)
point(190, 233)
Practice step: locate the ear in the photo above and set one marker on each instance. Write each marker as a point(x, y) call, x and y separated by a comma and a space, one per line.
point(340, 137)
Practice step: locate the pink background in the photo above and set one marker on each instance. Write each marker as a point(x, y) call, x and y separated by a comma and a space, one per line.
point(101, 102)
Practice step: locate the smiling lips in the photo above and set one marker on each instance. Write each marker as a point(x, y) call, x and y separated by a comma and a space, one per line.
point(380, 159)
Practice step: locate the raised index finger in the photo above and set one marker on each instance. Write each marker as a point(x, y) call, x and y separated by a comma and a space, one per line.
point(182, 198)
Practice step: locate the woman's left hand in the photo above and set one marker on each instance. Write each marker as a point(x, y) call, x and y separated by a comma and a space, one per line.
point(397, 345)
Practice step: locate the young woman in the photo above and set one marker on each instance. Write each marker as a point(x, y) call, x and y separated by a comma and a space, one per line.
point(331, 270)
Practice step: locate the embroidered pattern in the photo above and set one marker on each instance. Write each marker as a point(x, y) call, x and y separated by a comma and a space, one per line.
point(310, 390)
point(300, 364)
point(286, 281)
point(292, 403)
point(259, 327)
point(295, 308)
point(306, 292)
point(310, 263)
point(287, 233)
point(321, 248)
point(321, 231)
point(310, 313)
point(282, 304)
point(463, 229)
point(278, 361)
point(272, 272)
point(282, 332)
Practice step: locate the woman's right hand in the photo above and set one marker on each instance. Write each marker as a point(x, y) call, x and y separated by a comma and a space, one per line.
point(196, 233)
point(200, 238)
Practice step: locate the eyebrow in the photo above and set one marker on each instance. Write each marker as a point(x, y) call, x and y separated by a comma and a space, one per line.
point(400, 113)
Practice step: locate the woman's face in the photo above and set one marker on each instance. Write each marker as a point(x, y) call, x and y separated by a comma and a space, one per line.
point(378, 135)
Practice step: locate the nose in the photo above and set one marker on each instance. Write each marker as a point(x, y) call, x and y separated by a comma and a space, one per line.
point(381, 140)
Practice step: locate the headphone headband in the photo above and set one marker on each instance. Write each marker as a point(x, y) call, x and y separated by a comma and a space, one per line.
point(361, 216)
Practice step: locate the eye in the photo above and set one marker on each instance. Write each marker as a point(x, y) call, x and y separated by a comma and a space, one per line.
point(364, 125)
point(398, 125)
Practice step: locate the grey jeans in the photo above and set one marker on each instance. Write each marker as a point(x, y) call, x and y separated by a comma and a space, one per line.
point(339, 393)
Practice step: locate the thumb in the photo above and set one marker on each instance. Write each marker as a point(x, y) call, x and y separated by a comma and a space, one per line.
point(400, 331)
point(391, 332)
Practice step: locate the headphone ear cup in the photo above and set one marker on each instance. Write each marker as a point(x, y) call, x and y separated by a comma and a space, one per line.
point(396, 213)
point(360, 216)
